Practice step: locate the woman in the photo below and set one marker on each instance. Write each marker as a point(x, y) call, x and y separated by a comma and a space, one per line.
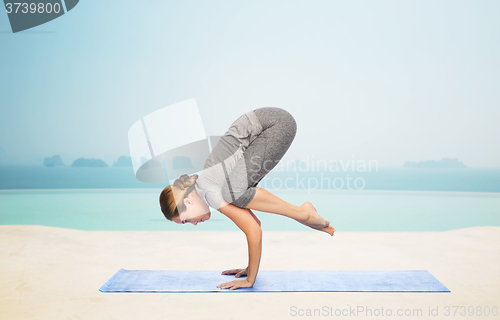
point(252, 146)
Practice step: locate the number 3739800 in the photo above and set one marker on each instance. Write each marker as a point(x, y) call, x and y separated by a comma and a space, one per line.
point(470, 311)
point(18, 7)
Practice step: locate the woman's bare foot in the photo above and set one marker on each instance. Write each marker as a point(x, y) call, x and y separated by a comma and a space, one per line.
point(330, 230)
point(314, 220)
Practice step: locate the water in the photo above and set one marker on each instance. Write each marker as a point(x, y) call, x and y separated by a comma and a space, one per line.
point(390, 199)
point(39, 177)
point(465, 180)
point(347, 210)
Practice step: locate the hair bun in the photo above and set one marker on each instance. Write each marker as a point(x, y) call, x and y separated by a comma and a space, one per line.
point(185, 181)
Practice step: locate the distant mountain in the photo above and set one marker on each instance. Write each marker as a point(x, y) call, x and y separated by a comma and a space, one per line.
point(82, 162)
point(54, 161)
point(123, 161)
point(443, 163)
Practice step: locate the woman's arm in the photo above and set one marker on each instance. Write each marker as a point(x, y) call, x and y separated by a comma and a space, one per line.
point(246, 222)
point(242, 272)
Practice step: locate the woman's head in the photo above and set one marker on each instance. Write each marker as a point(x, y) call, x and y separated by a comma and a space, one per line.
point(181, 203)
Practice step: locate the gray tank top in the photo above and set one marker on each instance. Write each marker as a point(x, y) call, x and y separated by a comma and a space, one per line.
point(224, 155)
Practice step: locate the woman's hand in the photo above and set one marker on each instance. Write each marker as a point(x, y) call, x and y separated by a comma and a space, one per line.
point(235, 284)
point(237, 272)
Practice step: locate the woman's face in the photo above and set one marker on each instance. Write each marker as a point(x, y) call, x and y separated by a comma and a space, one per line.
point(197, 210)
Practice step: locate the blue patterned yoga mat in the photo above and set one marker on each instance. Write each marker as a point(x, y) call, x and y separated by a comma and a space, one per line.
point(276, 281)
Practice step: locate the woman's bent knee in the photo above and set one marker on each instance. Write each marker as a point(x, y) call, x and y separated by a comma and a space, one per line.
point(245, 198)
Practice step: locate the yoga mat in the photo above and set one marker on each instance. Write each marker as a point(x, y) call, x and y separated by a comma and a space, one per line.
point(276, 281)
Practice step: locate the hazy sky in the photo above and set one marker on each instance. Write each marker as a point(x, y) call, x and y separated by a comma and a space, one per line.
point(384, 80)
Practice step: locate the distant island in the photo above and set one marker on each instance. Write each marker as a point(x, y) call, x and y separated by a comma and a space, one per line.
point(448, 163)
point(123, 161)
point(54, 161)
point(82, 162)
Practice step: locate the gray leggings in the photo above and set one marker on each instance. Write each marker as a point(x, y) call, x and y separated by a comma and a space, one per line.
point(263, 154)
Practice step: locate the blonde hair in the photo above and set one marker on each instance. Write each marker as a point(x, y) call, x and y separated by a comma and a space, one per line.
point(172, 197)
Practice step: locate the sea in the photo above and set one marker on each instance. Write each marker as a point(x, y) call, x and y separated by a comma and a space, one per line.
point(386, 200)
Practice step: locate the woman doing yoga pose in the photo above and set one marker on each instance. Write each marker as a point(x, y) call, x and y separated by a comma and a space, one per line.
point(252, 146)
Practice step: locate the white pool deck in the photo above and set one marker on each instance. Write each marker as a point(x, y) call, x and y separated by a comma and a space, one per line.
point(55, 273)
